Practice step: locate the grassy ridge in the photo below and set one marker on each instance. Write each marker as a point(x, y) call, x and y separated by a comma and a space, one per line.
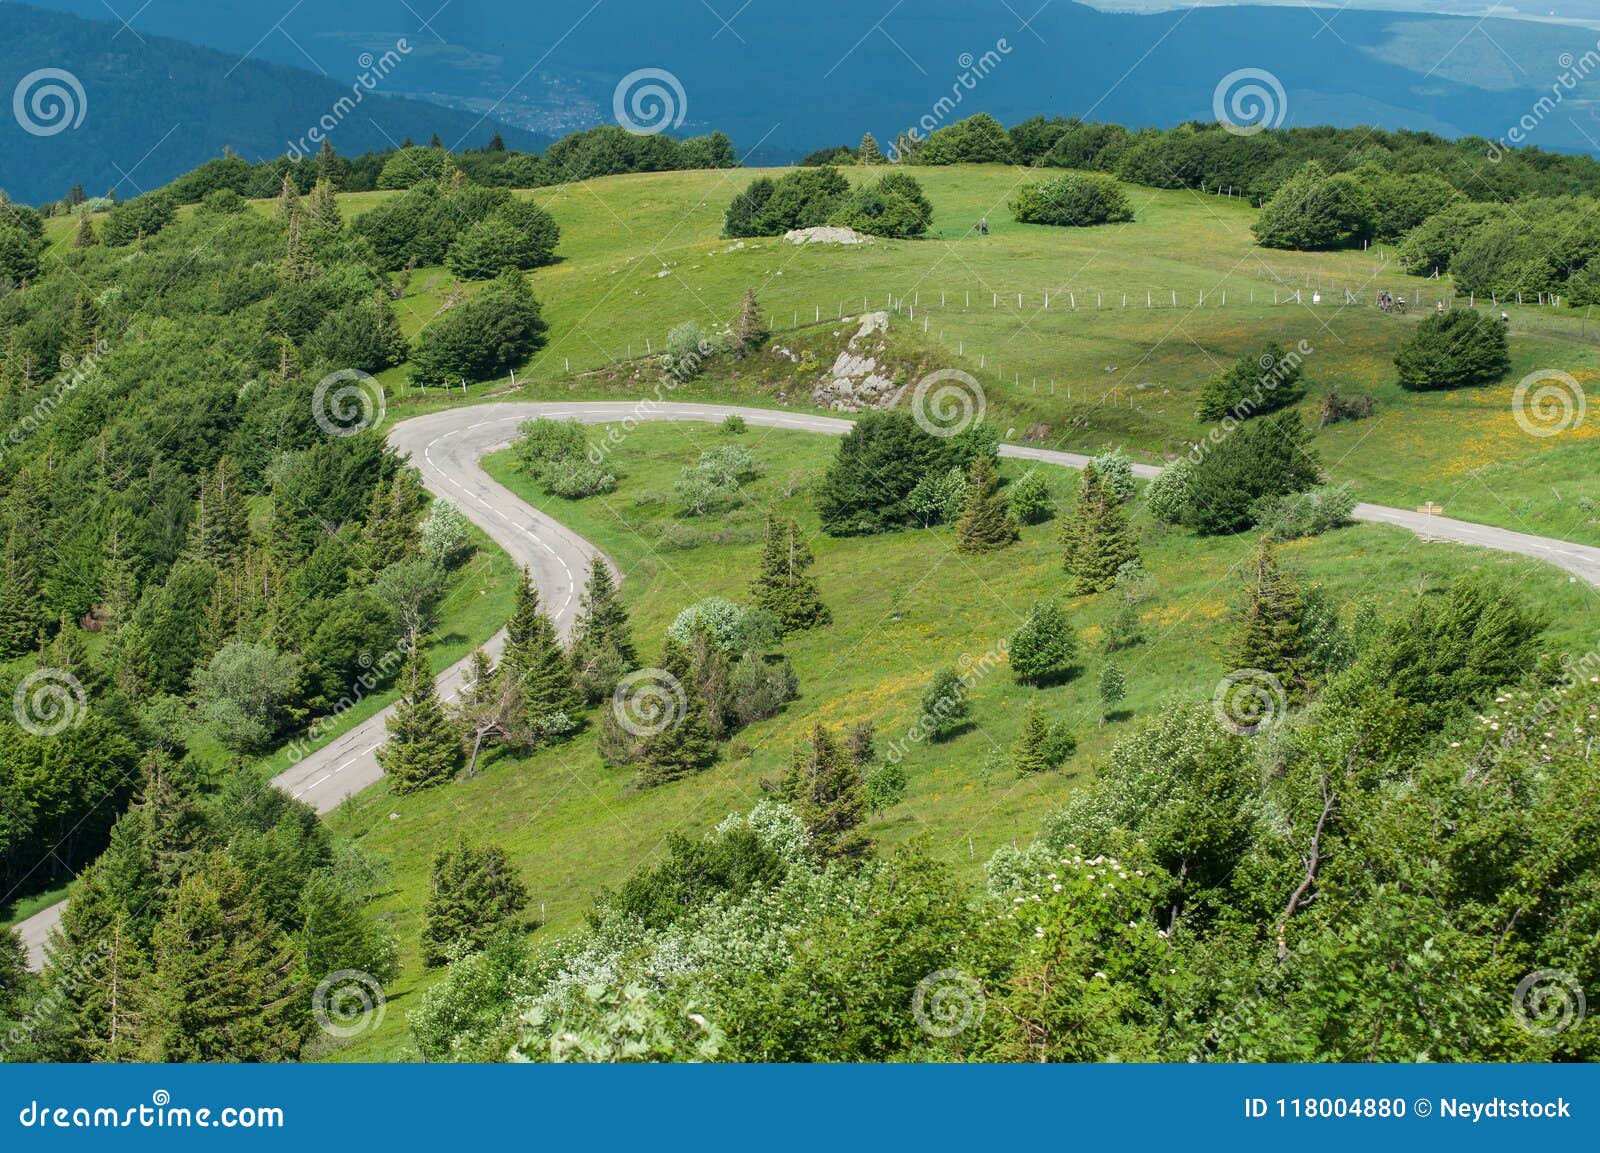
point(903, 604)
point(642, 253)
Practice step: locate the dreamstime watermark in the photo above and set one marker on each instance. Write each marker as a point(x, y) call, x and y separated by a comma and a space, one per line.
point(947, 1002)
point(48, 101)
point(348, 1003)
point(971, 670)
point(973, 69)
point(373, 70)
point(648, 101)
point(1249, 100)
point(49, 701)
point(649, 701)
point(1573, 70)
point(1247, 701)
point(947, 402)
point(159, 1114)
point(1548, 1002)
point(1549, 402)
point(27, 424)
point(348, 402)
point(1274, 372)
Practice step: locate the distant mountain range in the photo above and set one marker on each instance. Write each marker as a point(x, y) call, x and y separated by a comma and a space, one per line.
point(93, 103)
point(783, 78)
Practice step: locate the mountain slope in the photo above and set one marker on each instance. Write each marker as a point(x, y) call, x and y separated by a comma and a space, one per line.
point(152, 108)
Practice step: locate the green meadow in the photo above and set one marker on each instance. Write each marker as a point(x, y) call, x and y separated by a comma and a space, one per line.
point(1087, 337)
point(904, 604)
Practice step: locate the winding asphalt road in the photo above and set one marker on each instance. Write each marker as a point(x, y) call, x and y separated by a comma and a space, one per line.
point(446, 447)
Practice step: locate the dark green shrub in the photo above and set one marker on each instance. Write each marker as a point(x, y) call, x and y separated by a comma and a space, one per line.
point(1452, 350)
point(1073, 199)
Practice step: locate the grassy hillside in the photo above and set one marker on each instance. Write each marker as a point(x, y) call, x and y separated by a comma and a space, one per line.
point(903, 604)
point(640, 254)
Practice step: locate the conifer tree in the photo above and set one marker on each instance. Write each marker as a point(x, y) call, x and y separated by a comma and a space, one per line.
point(533, 656)
point(223, 984)
point(750, 330)
point(423, 748)
point(328, 163)
point(288, 198)
point(391, 531)
point(602, 638)
point(324, 209)
point(1028, 753)
point(869, 153)
point(985, 523)
point(474, 894)
point(685, 743)
point(221, 526)
point(1098, 540)
point(828, 794)
point(83, 326)
point(785, 586)
point(21, 609)
point(84, 236)
point(1113, 687)
point(89, 1003)
point(1270, 633)
point(299, 264)
point(334, 934)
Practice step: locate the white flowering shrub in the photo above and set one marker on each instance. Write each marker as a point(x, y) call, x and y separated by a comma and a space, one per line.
point(444, 537)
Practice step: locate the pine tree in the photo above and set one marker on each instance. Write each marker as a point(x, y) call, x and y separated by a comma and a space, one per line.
point(423, 748)
point(985, 523)
point(1113, 687)
point(474, 894)
point(1098, 540)
point(828, 794)
point(869, 153)
point(221, 526)
point(223, 985)
point(534, 658)
point(83, 326)
point(335, 935)
point(122, 973)
point(84, 236)
point(288, 198)
point(21, 609)
point(602, 638)
point(328, 164)
point(685, 743)
point(1270, 633)
point(785, 586)
point(88, 1007)
point(497, 143)
point(299, 264)
point(324, 210)
point(1028, 754)
point(392, 529)
point(750, 330)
